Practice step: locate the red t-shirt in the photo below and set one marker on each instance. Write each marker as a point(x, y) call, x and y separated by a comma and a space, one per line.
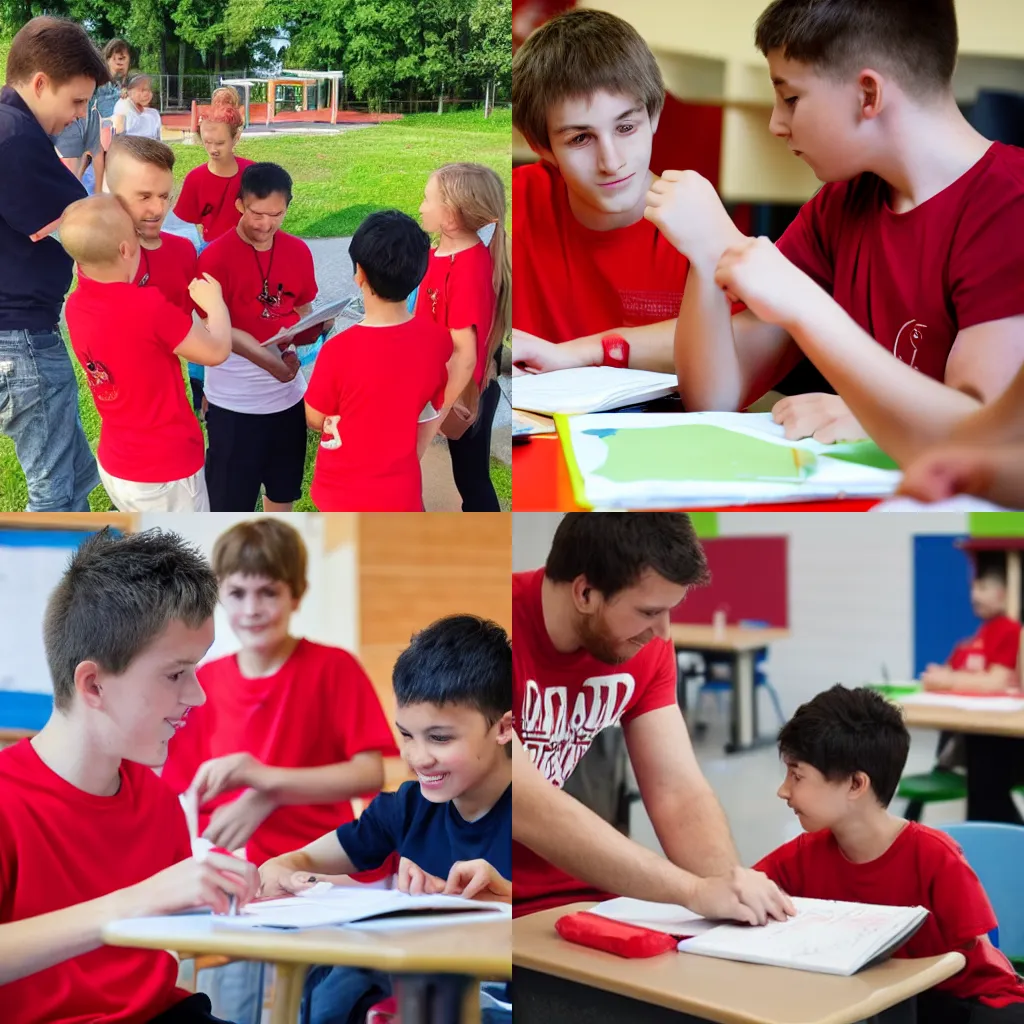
point(914, 280)
point(571, 281)
point(922, 868)
point(560, 702)
point(125, 336)
point(171, 269)
point(209, 200)
point(376, 468)
point(997, 642)
point(458, 291)
point(318, 708)
point(287, 267)
point(59, 847)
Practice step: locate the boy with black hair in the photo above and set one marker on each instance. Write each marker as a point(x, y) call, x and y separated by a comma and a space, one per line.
point(593, 650)
point(917, 236)
point(123, 633)
point(52, 69)
point(377, 389)
point(452, 827)
point(256, 421)
point(595, 282)
point(844, 752)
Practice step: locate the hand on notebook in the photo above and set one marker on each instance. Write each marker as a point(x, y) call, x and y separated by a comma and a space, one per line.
point(531, 354)
point(233, 824)
point(744, 895)
point(776, 291)
point(280, 877)
point(687, 210)
point(826, 418)
point(478, 879)
point(417, 882)
point(191, 883)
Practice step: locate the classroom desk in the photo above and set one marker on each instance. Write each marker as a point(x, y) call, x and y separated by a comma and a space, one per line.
point(987, 723)
point(742, 645)
point(465, 952)
point(554, 980)
point(540, 483)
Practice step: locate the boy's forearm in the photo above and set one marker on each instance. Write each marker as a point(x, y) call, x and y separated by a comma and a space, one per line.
point(901, 409)
point(37, 943)
point(706, 361)
point(650, 346)
point(325, 784)
point(218, 326)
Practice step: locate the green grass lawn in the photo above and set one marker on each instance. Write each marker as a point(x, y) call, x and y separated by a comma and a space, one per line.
point(339, 180)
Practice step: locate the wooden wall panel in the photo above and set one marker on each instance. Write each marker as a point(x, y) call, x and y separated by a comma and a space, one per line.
point(415, 568)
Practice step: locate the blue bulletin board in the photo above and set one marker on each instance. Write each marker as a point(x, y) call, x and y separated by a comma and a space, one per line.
point(31, 564)
point(942, 599)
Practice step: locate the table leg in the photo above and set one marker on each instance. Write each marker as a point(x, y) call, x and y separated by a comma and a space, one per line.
point(437, 999)
point(288, 981)
point(742, 701)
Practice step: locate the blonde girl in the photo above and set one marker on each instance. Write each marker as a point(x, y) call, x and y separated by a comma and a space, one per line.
point(468, 289)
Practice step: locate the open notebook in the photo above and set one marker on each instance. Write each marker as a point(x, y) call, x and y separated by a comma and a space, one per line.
point(342, 905)
point(672, 460)
point(588, 389)
point(825, 936)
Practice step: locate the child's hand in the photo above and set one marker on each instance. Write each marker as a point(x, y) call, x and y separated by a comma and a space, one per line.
point(477, 879)
point(776, 291)
point(531, 354)
point(938, 677)
point(283, 365)
point(206, 292)
point(826, 418)
point(278, 877)
point(743, 895)
point(943, 472)
point(233, 824)
point(417, 882)
point(223, 774)
point(192, 883)
point(687, 210)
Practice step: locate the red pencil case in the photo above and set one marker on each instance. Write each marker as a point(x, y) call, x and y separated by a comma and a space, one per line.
point(625, 940)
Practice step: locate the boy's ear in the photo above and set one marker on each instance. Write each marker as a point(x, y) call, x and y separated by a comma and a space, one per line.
point(860, 785)
point(873, 93)
point(87, 684)
point(359, 276)
point(505, 730)
point(238, 206)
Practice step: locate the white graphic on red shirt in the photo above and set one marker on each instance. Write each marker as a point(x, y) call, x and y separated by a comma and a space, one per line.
point(557, 735)
point(909, 339)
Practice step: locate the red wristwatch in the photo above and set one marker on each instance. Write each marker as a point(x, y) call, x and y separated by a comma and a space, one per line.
point(616, 350)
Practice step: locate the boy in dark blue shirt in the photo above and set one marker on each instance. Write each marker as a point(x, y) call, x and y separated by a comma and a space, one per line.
point(452, 828)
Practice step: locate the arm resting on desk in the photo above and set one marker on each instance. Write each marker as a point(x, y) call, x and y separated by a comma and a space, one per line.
point(994, 678)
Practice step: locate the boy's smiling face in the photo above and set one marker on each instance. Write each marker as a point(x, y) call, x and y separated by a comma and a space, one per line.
point(450, 747)
point(819, 802)
point(601, 144)
point(821, 119)
point(143, 707)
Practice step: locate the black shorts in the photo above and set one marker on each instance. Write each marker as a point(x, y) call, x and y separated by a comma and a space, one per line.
point(248, 450)
point(193, 1010)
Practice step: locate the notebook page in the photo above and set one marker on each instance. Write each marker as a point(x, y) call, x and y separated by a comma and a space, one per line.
point(588, 389)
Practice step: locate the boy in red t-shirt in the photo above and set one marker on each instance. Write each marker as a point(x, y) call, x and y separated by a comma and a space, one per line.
point(917, 236)
point(129, 340)
point(255, 419)
point(291, 730)
point(140, 172)
point(594, 282)
point(88, 833)
point(378, 388)
point(844, 752)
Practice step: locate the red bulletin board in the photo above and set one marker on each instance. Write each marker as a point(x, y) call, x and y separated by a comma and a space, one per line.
point(748, 581)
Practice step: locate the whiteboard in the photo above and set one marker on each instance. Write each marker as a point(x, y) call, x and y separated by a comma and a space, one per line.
point(31, 565)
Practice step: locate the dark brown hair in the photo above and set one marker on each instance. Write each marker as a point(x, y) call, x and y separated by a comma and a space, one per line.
point(59, 48)
point(116, 46)
point(579, 53)
point(262, 547)
point(116, 597)
point(614, 549)
point(915, 41)
point(843, 731)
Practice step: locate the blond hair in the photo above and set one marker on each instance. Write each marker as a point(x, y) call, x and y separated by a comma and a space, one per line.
point(226, 94)
point(93, 229)
point(141, 149)
point(579, 53)
point(476, 195)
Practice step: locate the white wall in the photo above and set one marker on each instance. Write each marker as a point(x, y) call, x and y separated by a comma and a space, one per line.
point(850, 590)
point(329, 612)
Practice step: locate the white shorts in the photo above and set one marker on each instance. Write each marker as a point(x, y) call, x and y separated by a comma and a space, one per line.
point(187, 495)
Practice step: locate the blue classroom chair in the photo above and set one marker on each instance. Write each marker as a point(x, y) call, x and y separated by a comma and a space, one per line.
point(995, 852)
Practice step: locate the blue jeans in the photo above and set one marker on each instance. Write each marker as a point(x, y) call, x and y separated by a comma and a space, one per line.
point(341, 995)
point(39, 412)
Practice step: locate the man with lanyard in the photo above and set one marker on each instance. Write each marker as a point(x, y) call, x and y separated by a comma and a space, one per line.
point(592, 650)
point(52, 70)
